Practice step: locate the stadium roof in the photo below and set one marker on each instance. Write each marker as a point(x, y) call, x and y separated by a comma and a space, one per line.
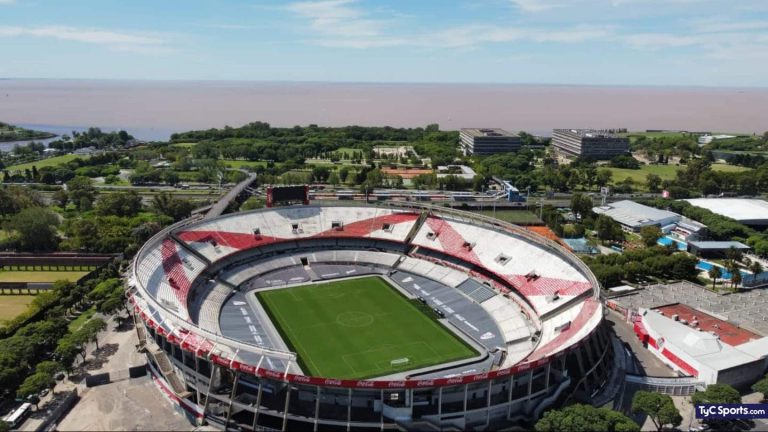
point(747, 211)
point(636, 215)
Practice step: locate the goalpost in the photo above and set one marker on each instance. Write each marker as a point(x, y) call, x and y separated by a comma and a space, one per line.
point(399, 362)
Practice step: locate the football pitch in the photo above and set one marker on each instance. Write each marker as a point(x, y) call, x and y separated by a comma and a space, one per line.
point(359, 328)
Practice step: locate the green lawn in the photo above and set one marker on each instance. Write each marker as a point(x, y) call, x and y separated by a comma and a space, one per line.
point(354, 328)
point(53, 161)
point(347, 150)
point(40, 276)
point(78, 322)
point(511, 216)
point(233, 163)
point(655, 134)
point(12, 305)
point(666, 172)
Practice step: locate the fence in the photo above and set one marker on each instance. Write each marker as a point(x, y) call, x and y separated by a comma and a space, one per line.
point(669, 386)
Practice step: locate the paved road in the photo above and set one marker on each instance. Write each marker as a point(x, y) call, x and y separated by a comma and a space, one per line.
point(131, 404)
point(647, 363)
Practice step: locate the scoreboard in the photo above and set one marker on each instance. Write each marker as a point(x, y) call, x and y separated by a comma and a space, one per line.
point(277, 195)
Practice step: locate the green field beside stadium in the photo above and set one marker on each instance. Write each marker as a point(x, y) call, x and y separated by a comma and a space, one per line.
point(355, 328)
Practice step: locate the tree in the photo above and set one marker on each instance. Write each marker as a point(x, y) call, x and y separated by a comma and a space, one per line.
point(320, 174)
point(714, 274)
point(650, 234)
point(34, 384)
point(66, 353)
point(653, 182)
point(49, 367)
point(734, 254)
point(608, 229)
point(333, 179)
point(585, 418)
point(111, 304)
point(717, 394)
point(731, 267)
point(736, 279)
point(91, 329)
point(658, 407)
point(81, 192)
point(61, 198)
point(35, 228)
point(4, 427)
point(176, 208)
point(756, 268)
point(761, 386)
point(581, 205)
point(119, 204)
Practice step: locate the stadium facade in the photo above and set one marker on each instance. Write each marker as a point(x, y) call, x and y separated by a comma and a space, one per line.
point(530, 307)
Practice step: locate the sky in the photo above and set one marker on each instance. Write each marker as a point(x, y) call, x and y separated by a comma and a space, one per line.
point(720, 43)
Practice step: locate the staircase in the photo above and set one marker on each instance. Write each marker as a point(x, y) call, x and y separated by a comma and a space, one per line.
point(141, 332)
point(417, 226)
point(189, 249)
point(177, 385)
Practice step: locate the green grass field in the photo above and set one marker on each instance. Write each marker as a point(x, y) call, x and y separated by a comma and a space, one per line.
point(511, 216)
point(12, 305)
point(666, 172)
point(53, 161)
point(354, 328)
point(78, 322)
point(234, 163)
point(40, 276)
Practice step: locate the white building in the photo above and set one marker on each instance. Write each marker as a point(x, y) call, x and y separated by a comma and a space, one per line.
point(691, 351)
point(461, 171)
point(747, 211)
point(634, 216)
point(706, 139)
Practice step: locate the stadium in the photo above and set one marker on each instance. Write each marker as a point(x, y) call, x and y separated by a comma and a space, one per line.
point(339, 317)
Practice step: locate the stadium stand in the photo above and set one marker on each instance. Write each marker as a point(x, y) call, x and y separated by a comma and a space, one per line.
point(476, 291)
point(530, 304)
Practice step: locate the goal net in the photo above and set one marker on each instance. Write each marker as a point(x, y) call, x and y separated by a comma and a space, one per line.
point(399, 362)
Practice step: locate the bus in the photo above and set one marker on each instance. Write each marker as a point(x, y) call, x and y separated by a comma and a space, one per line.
point(17, 417)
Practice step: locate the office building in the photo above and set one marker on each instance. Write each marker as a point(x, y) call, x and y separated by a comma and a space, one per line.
point(482, 142)
point(589, 143)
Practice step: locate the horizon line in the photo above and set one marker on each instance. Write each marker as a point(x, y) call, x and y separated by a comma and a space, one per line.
point(404, 83)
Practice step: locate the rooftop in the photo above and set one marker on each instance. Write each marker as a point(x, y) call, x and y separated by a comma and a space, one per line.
point(589, 133)
point(718, 245)
point(633, 214)
point(727, 332)
point(707, 348)
point(740, 209)
point(488, 132)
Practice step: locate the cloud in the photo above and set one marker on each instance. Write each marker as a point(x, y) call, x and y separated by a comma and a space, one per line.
point(472, 35)
point(535, 5)
point(343, 24)
point(719, 25)
point(338, 18)
point(119, 41)
point(7, 2)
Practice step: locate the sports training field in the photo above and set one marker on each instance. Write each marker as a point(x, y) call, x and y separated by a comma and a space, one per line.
point(354, 328)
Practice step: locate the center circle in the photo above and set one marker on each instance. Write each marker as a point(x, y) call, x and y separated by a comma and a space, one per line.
point(354, 319)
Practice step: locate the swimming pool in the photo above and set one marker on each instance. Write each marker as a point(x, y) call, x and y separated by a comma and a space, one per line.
point(724, 274)
point(666, 241)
